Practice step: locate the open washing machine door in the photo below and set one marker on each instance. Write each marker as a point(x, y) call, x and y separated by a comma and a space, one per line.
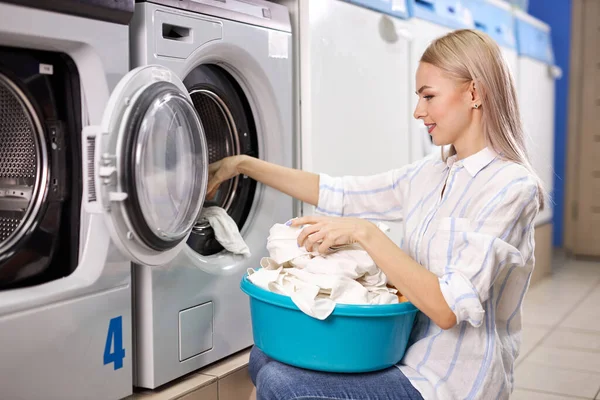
point(147, 165)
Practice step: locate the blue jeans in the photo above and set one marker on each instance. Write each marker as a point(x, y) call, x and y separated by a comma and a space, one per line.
point(277, 381)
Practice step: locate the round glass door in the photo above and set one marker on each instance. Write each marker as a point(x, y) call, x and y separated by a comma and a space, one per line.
point(166, 157)
point(147, 165)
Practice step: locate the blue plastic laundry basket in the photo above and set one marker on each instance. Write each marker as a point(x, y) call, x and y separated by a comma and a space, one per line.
point(352, 339)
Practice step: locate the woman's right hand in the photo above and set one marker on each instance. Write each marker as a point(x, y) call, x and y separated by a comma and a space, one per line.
point(299, 184)
point(220, 171)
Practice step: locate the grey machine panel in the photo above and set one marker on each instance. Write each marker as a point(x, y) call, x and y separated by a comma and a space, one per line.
point(195, 330)
point(71, 338)
point(251, 41)
point(253, 12)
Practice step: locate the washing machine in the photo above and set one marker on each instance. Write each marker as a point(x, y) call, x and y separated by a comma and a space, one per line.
point(65, 293)
point(430, 20)
point(496, 19)
point(234, 60)
point(354, 111)
point(536, 90)
point(352, 87)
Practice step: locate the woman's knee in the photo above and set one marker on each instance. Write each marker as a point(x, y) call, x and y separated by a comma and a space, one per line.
point(274, 382)
point(258, 360)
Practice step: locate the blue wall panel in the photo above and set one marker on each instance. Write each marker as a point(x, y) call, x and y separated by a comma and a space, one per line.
point(557, 13)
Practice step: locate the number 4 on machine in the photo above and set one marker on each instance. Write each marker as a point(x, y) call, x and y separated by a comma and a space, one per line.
point(114, 352)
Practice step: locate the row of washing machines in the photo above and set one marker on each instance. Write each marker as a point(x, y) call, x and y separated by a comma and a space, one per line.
point(110, 112)
point(358, 60)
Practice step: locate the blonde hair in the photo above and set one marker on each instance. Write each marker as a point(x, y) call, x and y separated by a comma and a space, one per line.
point(472, 56)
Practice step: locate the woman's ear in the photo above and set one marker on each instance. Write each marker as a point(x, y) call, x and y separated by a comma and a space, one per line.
point(474, 94)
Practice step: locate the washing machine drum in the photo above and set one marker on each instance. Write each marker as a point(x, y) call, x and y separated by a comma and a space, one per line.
point(24, 167)
point(229, 129)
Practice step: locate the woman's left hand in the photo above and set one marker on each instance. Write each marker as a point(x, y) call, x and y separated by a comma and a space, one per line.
point(327, 232)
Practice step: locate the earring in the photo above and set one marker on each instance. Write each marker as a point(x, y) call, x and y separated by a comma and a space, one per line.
point(476, 106)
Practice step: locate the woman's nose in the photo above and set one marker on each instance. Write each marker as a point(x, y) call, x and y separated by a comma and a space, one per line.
point(419, 111)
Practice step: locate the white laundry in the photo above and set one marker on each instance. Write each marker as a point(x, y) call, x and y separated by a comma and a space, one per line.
point(282, 245)
point(226, 230)
point(315, 282)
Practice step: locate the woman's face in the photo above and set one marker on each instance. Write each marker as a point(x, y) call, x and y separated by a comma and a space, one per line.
point(445, 106)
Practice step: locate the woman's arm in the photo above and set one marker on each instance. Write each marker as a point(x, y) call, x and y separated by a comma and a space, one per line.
point(299, 184)
point(419, 285)
point(377, 196)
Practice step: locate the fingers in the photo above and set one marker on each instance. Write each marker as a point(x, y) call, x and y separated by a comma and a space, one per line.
point(219, 172)
point(309, 230)
point(324, 232)
point(308, 220)
point(211, 194)
point(214, 167)
point(213, 186)
point(325, 246)
point(213, 180)
point(334, 238)
point(314, 239)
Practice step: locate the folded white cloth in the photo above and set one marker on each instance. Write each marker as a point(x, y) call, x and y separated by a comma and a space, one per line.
point(316, 283)
point(226, 230)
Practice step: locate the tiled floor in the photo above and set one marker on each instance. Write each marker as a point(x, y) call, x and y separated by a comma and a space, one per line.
point(560, 353)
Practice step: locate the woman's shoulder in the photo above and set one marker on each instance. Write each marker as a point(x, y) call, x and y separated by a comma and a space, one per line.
point(506, 171)
point(508, 192)
point(507, 181)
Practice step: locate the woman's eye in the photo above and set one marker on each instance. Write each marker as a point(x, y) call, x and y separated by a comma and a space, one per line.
point(428, 97)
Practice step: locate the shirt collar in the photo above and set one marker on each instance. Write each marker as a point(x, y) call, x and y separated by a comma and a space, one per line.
point(474, 163)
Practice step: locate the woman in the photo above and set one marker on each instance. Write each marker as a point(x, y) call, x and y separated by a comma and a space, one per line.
point(467, 254)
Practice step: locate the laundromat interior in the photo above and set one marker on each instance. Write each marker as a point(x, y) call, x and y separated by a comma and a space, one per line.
point(132, 266)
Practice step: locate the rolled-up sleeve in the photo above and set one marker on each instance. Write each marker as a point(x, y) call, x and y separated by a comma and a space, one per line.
point(501, 237)
point(375, 197)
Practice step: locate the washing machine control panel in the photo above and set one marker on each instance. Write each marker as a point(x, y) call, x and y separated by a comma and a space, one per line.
point(254, 12)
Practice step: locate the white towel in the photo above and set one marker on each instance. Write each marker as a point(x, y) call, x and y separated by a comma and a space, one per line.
point(315, 282)
point(226, 230)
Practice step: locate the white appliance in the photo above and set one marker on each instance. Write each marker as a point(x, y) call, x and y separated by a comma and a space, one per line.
point(65, 294)
point(352, 77)
point(536, 90)
point(430, 20)
point(495, 18)
point(233, 61)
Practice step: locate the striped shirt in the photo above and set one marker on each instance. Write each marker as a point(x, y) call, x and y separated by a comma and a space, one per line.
point(471, 223)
